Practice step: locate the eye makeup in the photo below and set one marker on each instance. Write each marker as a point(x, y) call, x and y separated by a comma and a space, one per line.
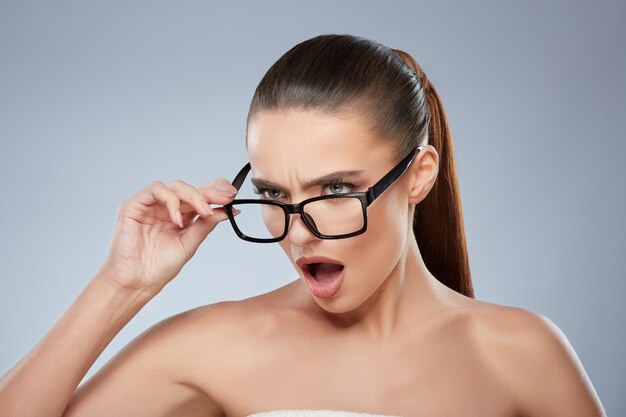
point(339, 177)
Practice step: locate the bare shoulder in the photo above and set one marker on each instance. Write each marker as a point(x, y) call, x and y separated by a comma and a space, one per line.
point(221, 321)
point(179, 364)
point(153, 374)
point(531, 356)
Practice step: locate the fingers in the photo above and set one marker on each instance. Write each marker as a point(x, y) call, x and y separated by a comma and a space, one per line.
point(157, 192)
point(219, 191)
point(183, 200)
point(199, 229)
point(195, 200)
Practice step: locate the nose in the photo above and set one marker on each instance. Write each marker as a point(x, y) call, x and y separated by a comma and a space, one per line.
point(298, 232)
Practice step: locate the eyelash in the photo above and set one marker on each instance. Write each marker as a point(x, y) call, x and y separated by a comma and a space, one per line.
point(261, 191)
point(351, 187)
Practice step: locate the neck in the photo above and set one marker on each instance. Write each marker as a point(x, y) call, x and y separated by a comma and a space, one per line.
point(409, 292)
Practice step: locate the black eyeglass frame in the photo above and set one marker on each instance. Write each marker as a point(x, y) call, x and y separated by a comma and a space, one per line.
point(365, 197)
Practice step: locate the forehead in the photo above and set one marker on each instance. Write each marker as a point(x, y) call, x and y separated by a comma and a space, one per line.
point(306, 143)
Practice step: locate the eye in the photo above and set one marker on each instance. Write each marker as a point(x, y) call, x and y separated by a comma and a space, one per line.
point(340, 187)
point(268, 193)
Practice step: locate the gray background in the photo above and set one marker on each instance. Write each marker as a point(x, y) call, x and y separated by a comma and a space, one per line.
point(97, 100)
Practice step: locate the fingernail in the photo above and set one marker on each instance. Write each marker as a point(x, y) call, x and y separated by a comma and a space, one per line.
point(227, 191)
point(180, 218)
point(209, 209)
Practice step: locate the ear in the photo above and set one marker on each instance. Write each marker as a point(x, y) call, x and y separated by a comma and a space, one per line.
point(423, 173)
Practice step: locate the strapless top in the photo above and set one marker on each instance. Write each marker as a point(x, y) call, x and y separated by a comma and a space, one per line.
point(315, 413)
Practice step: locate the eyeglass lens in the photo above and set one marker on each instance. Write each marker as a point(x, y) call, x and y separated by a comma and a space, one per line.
point(333, 217)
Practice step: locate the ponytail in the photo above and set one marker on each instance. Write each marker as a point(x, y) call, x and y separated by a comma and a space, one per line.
point(438, 219)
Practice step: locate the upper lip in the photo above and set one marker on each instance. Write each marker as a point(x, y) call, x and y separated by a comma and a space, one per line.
point(306, 260)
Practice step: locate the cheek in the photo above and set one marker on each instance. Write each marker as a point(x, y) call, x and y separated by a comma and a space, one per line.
point(375, 253)
point(387, 231)
point(284, 246)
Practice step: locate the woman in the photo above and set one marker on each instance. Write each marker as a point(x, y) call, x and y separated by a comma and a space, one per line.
point(352, 163)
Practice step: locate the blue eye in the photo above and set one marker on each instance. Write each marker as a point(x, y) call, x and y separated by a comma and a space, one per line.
point(268, 193)
point(340, 188)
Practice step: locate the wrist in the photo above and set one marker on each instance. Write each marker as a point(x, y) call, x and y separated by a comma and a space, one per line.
point(106, 279)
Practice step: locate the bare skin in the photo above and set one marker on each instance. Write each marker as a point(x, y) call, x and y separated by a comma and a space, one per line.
point(393, 341)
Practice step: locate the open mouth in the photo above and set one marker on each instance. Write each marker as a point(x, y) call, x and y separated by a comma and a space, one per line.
point(324, 276)
point(323, 272)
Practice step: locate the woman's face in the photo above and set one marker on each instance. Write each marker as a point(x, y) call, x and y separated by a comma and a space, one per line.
point(294, 147)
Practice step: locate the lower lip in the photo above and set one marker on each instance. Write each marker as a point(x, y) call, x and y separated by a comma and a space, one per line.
point(324, 291)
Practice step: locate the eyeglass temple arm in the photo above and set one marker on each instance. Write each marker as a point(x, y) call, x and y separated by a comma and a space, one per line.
point(241, 176)
point(377, 189)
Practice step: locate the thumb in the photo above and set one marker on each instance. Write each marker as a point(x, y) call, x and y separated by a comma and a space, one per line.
point(199, 229)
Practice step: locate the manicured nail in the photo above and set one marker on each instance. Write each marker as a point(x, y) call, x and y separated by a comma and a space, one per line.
point(226, 191)
point(209, 209)
point(180, 218)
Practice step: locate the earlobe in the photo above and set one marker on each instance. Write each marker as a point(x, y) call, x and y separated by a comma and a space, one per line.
point(423, 171)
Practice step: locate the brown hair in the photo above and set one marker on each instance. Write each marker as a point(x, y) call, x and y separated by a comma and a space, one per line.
point(337, 73)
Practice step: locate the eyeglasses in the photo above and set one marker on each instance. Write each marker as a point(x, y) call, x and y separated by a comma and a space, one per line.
point(333, 216)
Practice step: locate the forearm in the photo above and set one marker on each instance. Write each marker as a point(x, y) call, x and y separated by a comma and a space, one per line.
point(44, 381)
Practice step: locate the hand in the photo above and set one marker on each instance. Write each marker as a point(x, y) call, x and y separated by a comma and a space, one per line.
point(155, 233)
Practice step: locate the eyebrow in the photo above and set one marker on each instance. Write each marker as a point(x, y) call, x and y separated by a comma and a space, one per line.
point(323, 180)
